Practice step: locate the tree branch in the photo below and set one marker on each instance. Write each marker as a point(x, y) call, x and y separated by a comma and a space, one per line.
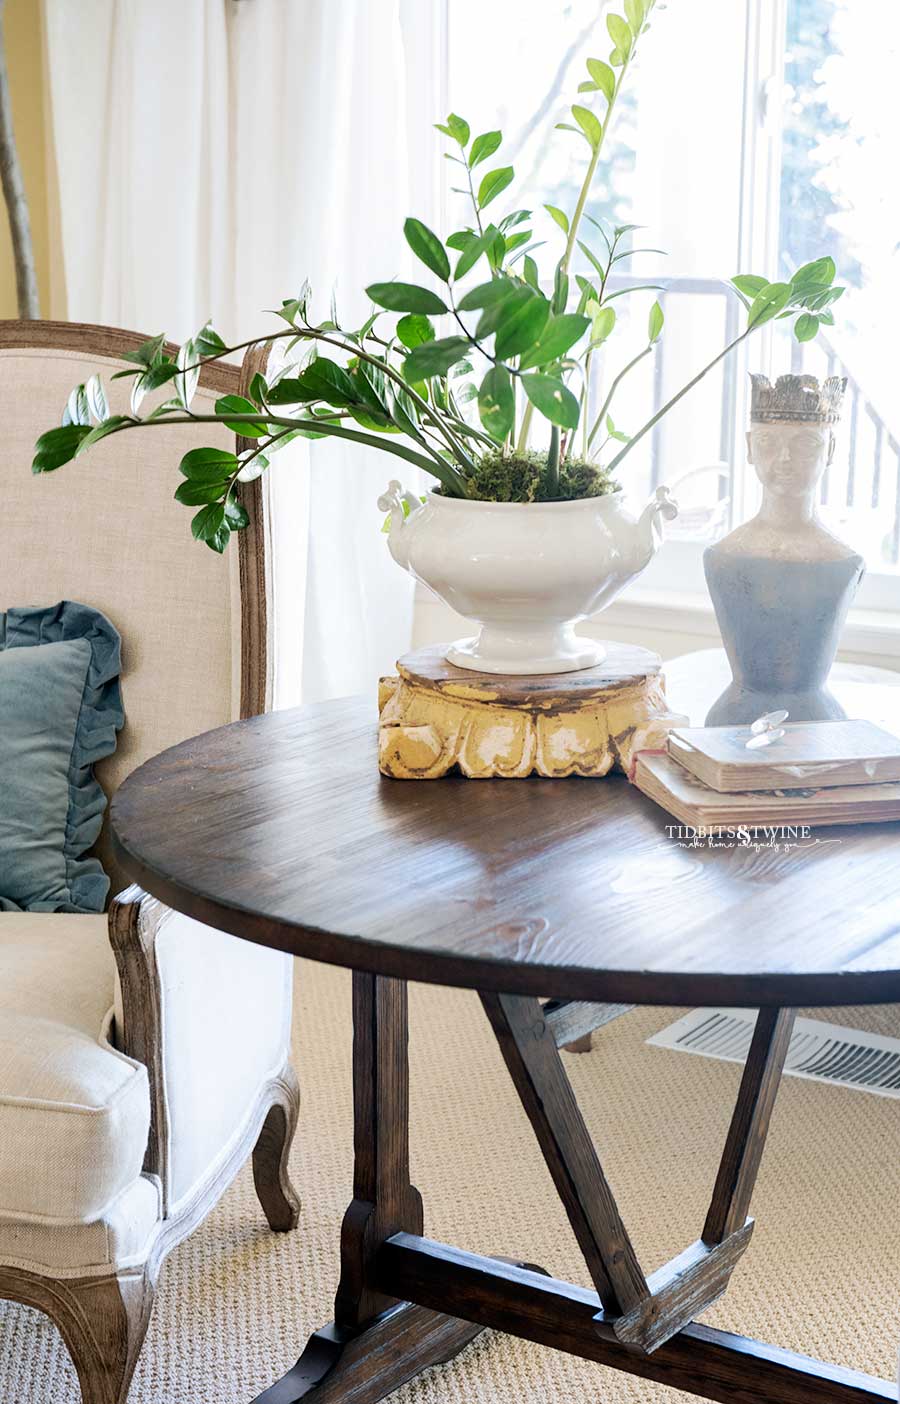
point(14, 195)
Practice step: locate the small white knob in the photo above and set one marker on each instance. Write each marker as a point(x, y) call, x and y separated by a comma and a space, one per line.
point(390, 501)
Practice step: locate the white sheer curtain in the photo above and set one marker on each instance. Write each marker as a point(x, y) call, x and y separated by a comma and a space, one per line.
point(211, 156)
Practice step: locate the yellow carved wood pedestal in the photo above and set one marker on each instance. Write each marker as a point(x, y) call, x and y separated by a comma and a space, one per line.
point(434, 717)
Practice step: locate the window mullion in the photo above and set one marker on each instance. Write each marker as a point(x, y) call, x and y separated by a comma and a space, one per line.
point(759, 222)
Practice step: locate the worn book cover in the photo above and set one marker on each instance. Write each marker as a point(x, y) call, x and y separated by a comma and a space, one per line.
point(690, 801)
point(823, 754)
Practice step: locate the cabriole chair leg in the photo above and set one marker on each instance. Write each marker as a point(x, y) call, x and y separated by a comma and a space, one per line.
point(279, 1199)
point(103, 1321)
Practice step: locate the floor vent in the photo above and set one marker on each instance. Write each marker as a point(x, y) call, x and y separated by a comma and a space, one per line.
point(819, 1051)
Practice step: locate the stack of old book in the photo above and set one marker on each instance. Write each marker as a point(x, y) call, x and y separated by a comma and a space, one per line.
point(840, 772)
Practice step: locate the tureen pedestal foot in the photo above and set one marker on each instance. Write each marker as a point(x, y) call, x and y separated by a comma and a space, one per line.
point(435, 718)
point(526, 650)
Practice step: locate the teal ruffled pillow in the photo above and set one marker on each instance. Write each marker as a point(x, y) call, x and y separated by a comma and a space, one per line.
point(60, 709)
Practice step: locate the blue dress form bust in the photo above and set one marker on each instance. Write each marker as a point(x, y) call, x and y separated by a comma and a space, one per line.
point(781, 584)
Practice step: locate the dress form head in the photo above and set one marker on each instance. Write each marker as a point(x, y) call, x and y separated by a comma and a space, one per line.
point(781, 583)
point(791, 439)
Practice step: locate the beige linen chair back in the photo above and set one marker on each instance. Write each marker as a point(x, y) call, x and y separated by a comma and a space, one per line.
point(106, 531)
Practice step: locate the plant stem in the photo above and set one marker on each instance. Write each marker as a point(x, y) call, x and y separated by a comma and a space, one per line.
point(313, 334)
point(582, 197)
point(645, 429)
point(552, 474)
point(591, 170)
point(474, 201)
point(585, 392)
point(604, 408)
point(604, 277)
point(511, 370)
point(453, 444)
point(525, 430)
point(446, 474)
point(273, 439)
point(473, 341)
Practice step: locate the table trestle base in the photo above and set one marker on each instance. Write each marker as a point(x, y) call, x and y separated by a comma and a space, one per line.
point(642, 1314)
point(405, 1302)
point(574, 1021)
point(345, 1366)
point(522, 1302)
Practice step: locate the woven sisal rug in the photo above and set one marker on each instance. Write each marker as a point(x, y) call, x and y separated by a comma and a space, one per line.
point(822, 1273)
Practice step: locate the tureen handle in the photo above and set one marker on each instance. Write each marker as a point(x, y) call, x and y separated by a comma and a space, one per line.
point(401, 505)
point(661, 504)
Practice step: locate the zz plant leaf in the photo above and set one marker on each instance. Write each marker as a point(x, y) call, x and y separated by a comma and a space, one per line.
point(821, 272)
point(768, 303)
point(589, 124)
point(198, 494)
point(520, 326)
point(77, 410)
point(749, 284)
point(559, 336)
point(603, 77)
point(621, 35)
point(457, 128)
point(237, 404)
point(559, 217)
point(474, 250)
point(806, 327)
point(484, 146)
point(96, 398)
point(58, 446)
point(150, 351)
point(413, 329)
point(493, 184)
point(208, 342)
point(209, 525)
point(434, 358)
point(208, 465)
point(497, 403)
point(406, 297)
point(486, 294)
point(236, 514)
point(426, 245)
point(554, 400)
point(323, 379)
point(634, 14)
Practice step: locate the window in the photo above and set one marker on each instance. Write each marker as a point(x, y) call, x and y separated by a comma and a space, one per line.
point(756, 135)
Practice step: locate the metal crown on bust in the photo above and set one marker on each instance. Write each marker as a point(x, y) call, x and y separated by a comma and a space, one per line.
point(800, 398)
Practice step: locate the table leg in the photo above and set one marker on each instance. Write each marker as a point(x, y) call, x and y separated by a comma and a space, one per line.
point(376, 1343)
point(398, 1290)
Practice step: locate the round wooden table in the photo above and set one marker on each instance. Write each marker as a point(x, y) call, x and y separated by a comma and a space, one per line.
point(560, 901)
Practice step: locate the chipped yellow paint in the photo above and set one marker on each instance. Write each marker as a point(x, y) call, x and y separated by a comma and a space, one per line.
point(470, 694)
point(386, 689)
point(429, 727)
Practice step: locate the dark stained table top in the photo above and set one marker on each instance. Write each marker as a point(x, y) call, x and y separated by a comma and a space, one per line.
point(281, 830)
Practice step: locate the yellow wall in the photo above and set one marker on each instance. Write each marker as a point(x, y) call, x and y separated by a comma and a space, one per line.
point(25, 62)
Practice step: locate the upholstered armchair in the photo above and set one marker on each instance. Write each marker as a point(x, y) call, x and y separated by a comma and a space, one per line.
point(143, 1056)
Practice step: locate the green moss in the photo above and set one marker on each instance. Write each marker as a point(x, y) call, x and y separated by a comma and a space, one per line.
point(521, 478)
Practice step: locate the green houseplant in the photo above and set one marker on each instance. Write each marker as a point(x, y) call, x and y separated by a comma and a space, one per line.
point(450, 374)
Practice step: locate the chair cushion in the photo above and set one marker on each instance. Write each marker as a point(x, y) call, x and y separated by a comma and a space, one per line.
point(74, 1112)
point(60, 708)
